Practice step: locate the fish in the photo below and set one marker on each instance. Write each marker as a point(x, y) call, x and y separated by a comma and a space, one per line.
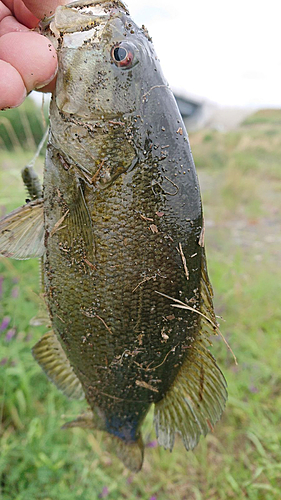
point(120, 231)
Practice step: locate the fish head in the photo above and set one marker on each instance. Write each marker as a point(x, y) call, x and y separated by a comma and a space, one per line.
point(103, 59)
point(112, 108)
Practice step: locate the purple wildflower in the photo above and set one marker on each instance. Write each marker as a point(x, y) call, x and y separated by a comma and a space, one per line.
point(104, 493)
point(3, 361)
point(5, 322)
point(153, 498)
point(253, 389)
point(152, 444)
point(15, 292)
point(10, 334)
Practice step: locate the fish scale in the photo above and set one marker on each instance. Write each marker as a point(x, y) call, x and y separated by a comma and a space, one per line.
point(142, 256)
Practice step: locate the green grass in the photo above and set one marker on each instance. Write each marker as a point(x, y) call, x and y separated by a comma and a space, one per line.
point(241, 183)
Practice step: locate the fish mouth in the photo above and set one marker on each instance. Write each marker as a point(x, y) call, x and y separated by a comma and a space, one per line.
point(84, 20)
point(86, 15)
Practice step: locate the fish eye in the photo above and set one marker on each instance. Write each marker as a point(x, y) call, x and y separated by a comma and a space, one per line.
point(123, 55)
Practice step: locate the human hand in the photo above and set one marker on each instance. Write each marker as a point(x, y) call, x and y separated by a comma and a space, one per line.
point(27, 59)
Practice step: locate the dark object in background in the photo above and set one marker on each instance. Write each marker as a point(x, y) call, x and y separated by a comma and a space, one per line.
point(188, 108)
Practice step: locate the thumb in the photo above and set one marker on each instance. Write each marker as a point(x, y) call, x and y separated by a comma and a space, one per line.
point(43, 9)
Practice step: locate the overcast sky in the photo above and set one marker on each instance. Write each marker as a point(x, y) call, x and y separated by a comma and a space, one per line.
point(227, 51)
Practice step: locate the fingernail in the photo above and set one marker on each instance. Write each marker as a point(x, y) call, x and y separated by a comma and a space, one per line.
point(19, 102)
point(41, 85)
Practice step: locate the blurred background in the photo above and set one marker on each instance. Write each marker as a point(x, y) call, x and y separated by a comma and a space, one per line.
point(223, 62)
point(225, 58)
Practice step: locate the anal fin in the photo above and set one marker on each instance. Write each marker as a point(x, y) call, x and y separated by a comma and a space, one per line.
point(22, 232)
point(53, 361)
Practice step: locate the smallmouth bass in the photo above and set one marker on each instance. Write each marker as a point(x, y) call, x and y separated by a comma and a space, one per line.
point(121, 234)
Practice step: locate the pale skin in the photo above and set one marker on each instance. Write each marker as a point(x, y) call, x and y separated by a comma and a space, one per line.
point(28, 60)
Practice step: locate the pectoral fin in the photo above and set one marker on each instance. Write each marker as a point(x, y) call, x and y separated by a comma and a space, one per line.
point(74, 225)
point(22, 232)
point(80, 232)
point(53, 361)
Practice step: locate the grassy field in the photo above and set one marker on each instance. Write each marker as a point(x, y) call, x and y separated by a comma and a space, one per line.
point(240, 175)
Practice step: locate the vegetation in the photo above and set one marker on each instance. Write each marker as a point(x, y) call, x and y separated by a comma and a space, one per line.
point(22, 128)
point(241, 183)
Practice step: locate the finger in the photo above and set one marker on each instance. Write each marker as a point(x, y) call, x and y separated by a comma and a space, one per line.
point(36, 61)
point(24, 15)
point(43, 9)
point(9, 24)
point(4, 11)
point(21, 12)
point(12, 88)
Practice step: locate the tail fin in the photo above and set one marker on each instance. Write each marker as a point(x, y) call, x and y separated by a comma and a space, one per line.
point(130, 453)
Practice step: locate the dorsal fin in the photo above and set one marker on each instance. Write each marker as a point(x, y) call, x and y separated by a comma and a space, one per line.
point(22, 232)
point(196, 399)
point(51, 357)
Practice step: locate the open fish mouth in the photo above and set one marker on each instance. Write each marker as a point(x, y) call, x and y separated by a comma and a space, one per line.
point(80, 21)
point(98, 8)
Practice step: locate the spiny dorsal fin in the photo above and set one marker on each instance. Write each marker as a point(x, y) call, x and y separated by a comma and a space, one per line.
point(196, 400)
point(22, 232)
point(53, 361)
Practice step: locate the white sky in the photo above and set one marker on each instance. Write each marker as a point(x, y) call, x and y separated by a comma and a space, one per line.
point(228, 51)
